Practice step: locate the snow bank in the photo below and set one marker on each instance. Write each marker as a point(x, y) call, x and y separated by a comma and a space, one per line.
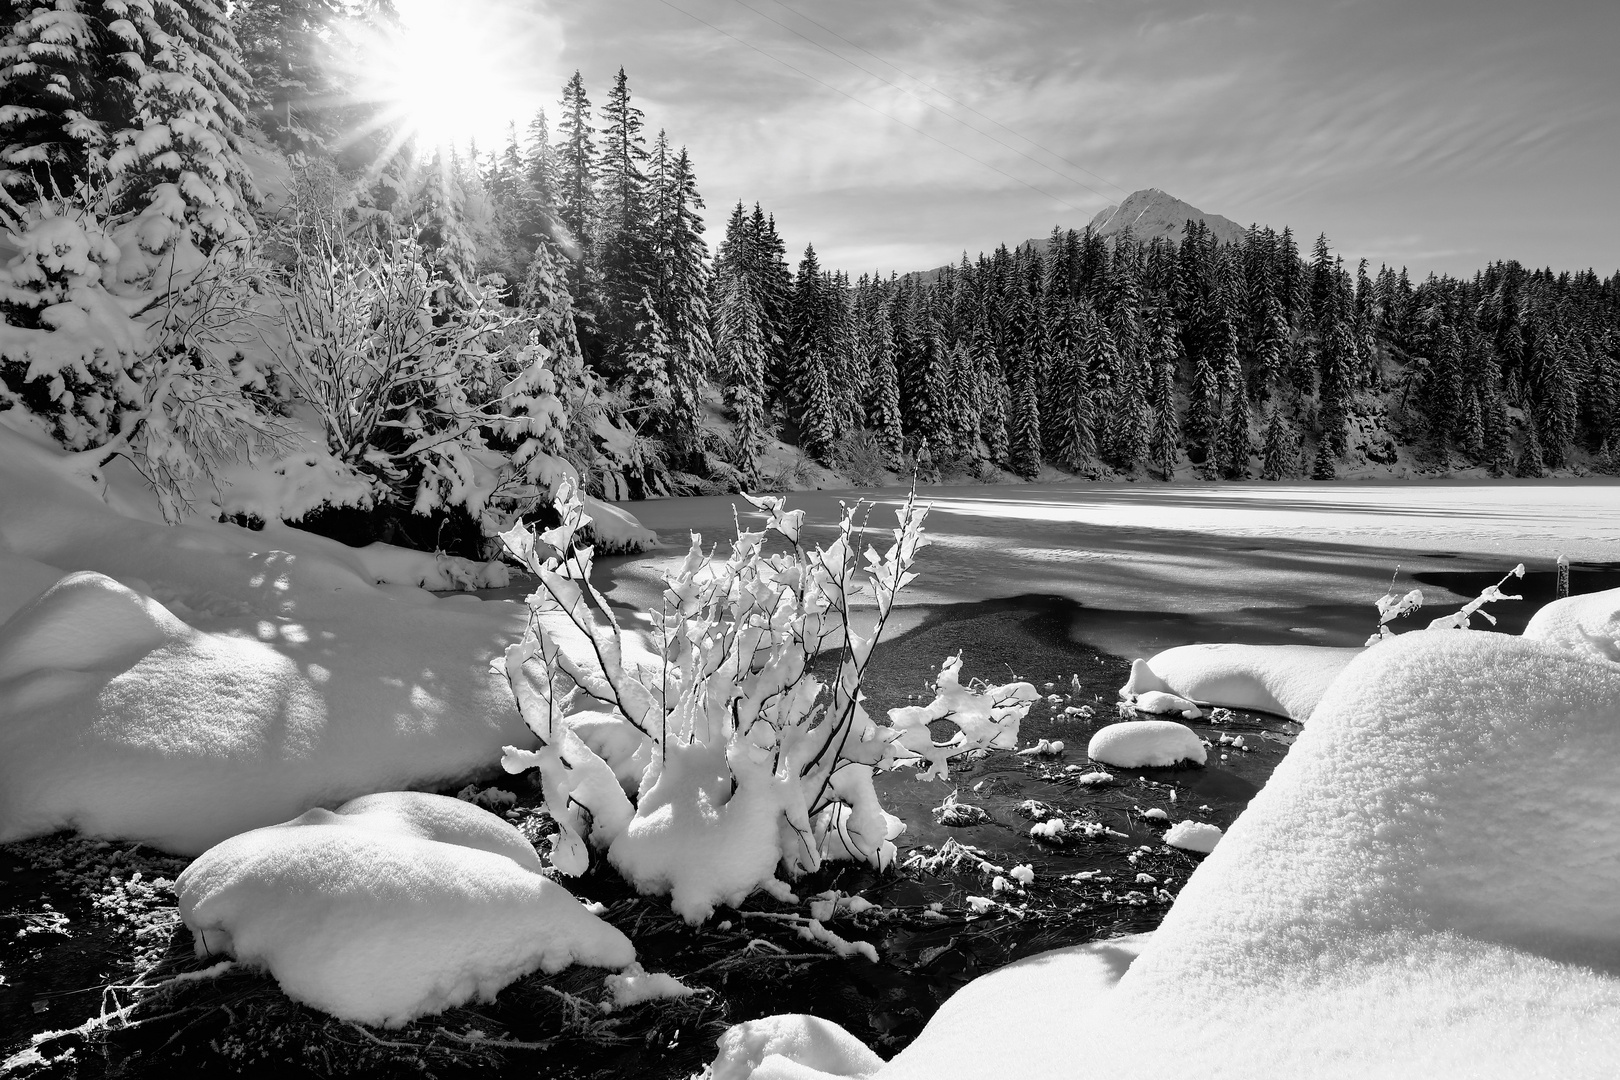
point(1424, 887)
point(1146, 744)
point(1287, 680)
point(179, 685)
point(392, 907)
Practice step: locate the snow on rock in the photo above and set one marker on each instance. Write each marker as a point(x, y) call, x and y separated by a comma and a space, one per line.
point(1192, 835)
point(1287, 680)
point(789, 1047)
point(394, 906)
point(1146, 744)
point(1157, 701)
point(1424, 887)
point(179, 685)
point(633, 985)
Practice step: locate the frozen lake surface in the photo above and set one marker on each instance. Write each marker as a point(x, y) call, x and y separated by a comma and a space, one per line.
point(1158, 565)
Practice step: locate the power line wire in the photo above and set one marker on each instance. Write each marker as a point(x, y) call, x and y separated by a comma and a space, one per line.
point(935, 89)
point(888, 116)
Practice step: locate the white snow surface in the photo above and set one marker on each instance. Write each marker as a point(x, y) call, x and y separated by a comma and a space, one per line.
point(1424, 887)
point(394, 906)
point(1287, 680)
point(1146, 744)
point(634, 985)
point(179, 685)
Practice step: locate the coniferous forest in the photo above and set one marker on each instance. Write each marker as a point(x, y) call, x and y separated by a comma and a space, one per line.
point(214, 238)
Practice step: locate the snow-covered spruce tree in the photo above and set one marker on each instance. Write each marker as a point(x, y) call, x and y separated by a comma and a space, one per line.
point(647, 362)
point(1279, 450)
point(627, 254)
point(742, 356)
point(725, 760)
point(1532, 463)
point(1324, 467)
point(1233, 451)
point(683, 302)
point(120, 338)
point(882, 405)
point(129, 95)
point(809, 391)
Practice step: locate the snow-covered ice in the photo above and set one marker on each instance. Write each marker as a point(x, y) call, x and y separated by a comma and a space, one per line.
point(1143, 744)
point(1287, 680)
point(394, 906)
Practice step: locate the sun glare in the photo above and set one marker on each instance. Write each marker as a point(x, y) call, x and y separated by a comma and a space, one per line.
point(452, 72)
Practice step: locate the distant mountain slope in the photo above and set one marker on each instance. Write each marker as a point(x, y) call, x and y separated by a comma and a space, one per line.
point(1151, 212)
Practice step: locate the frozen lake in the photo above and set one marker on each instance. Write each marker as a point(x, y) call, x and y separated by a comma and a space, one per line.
point(1167, 564)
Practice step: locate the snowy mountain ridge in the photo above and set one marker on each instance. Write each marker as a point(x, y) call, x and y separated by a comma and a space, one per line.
point(1150, 212)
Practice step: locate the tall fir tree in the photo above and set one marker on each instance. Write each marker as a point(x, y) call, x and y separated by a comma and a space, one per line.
point(627, 244)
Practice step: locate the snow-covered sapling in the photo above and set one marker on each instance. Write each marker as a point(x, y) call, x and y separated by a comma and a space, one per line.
point(1459, 620)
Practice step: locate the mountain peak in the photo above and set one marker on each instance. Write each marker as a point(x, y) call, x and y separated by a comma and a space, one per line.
point(1151, 212)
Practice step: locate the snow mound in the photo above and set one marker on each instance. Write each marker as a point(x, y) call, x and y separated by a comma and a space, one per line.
point(790, 1047)
point(1587, 624)
point(178, 685)
point(1287, 680)
point(1424, 887)
point(393, 906)
point(1192, 835)
point(1146, 744)
point(614, 531)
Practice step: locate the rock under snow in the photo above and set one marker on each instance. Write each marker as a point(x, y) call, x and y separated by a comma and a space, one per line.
point(1192, 835)
point(791, 1046)
point(1287, 680)
point(393, 906)
point(1424, 887)
point(1158, 701)
point(1146, 744)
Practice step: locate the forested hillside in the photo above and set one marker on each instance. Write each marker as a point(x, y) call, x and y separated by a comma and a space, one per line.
point(230, 264)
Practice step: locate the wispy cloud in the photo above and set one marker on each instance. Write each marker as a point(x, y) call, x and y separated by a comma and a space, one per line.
point(1472, 128)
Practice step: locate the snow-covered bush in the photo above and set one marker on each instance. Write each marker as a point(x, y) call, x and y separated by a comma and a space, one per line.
point(121, 338)
point(741, 760)
point(442, 405)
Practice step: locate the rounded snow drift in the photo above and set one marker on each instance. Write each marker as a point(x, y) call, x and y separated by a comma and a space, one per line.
point(1146, 744)
point(392, 907)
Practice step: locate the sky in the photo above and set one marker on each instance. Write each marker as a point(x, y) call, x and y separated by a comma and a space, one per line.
point(896, 134)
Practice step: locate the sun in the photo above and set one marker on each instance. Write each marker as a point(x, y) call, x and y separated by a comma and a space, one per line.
point(450, 72)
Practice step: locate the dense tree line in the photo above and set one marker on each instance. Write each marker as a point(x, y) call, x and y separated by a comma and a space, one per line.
point(1110, 356)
